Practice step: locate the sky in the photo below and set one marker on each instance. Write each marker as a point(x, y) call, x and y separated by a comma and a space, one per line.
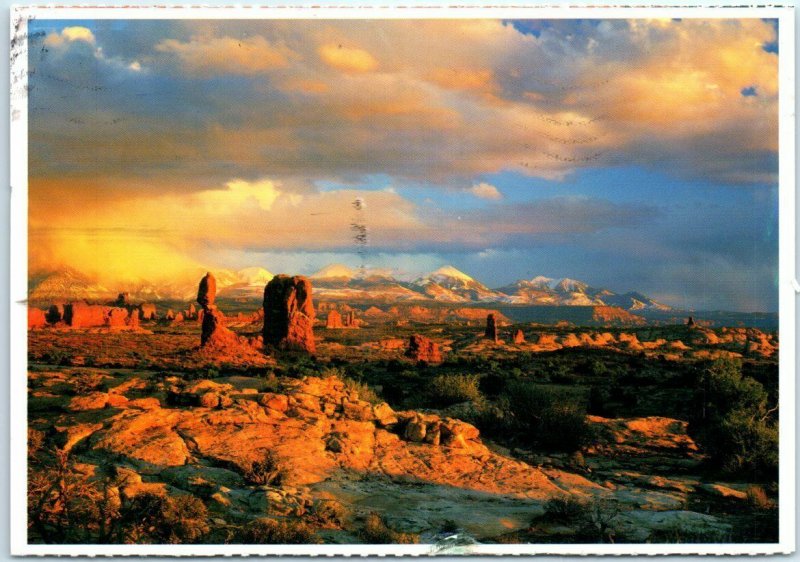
point(630, 154)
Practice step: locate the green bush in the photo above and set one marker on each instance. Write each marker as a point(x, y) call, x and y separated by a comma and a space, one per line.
point(734, 424)
point(446, 390)
point(545, 418)
point(364, 391)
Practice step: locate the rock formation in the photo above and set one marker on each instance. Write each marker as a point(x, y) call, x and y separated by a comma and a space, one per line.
point(289, 313)
point(115, 317)
point(123, 300)
point(421, 348)
point(55, 313)
point(169, 316)
point(334, 320)
point(690, 322)
point(82, 315)
point(349, 320)
point(36, 317)
point(214, 334)
point(148, 311)
point(133, 319)
point(491, 328)
point(519, 337)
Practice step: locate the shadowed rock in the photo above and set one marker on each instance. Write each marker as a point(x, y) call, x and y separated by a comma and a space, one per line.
point(207, 291)
point(421, 348)
point(491, 328)
point(289, 313)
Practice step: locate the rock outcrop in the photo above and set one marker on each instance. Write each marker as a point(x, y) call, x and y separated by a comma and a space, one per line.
point(491, 328)
point(148, 311)
point(82, 315)
point(334, 320)
point(214, 334)
point(519, 337)
point(421, 348)
point(289, 313)
point(36, 317)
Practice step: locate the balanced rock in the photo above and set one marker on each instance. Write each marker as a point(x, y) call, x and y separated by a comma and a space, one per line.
point(123, 299)
point(289, 313)
point(421, 348)
point(519, 337)
point(491, 328)
point(213, 334)
point(334, 320)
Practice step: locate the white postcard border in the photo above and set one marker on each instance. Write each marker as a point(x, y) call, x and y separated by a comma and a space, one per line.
point(19, 276)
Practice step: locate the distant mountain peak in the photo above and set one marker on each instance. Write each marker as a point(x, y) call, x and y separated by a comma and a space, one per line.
point(254, 275)
point(450, 271)
point(335, 270)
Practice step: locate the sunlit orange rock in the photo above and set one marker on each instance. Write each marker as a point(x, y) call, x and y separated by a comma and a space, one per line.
point(334, 320)
point(421, 348)
point(36, 317)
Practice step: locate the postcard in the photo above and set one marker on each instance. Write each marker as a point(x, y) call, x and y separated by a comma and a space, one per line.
point(407, 281)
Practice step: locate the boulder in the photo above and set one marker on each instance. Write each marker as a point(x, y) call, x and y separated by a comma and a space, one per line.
point(421, 348)
point(289, 313)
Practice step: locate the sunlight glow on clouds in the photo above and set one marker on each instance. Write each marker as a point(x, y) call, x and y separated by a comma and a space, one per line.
point(164, 126)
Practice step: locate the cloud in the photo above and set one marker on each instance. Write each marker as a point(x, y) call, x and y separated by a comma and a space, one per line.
point(203, 56)
point(68, 35)
point(347, 59)
point(486, 191)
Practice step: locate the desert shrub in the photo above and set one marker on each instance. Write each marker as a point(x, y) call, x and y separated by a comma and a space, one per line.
point(734, 424)
point(150, 518)
point(375, 531)
point(757, 498)
point(329, 513)
point(545, 418)
point(446, 390)
point(271, 531)
point(337, 372)
point(64, 506)
point(365, 392)
point(566, 509)
point(596, 521)
point(35, 442)
point(266, 472)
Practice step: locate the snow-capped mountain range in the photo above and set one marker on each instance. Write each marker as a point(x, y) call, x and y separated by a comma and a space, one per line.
point(340, 282)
